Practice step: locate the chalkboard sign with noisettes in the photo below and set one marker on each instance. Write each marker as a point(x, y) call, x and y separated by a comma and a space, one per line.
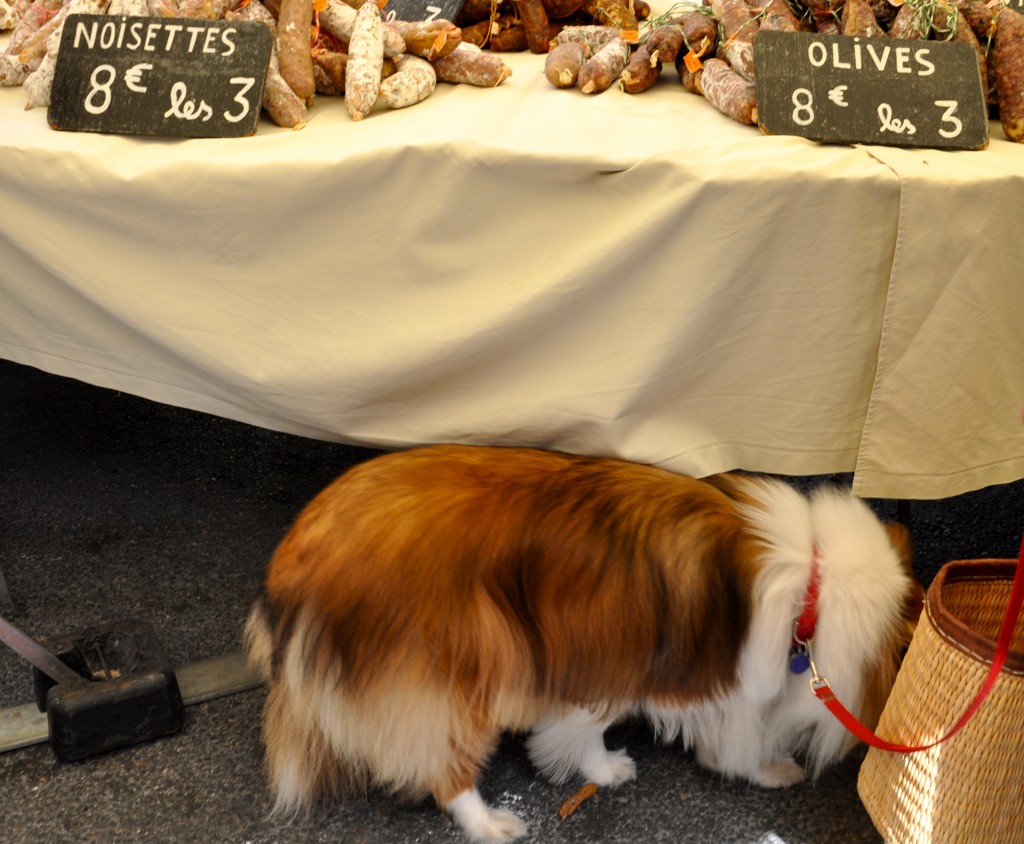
point(889, 91)
point(160, 76)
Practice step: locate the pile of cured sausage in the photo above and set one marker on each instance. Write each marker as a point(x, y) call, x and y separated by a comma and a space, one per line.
point(351, 48)
point(592, 44)
point(326, 47)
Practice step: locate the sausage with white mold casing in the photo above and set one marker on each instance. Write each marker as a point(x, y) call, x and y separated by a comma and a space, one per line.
point(38, 84)
point(329, 71)
point(365, 60)
point(592, 36)
point(779, 17)
point(163, 8)
point(472, 66)
point(35, 25)
point(338, 18)
point(27, 46)
point(739, 27)
point(727, 91)
point(412, 83)
point(604, 67)
point(8, 18)
point(14, 72)
point(129, 8)
point(204, 9)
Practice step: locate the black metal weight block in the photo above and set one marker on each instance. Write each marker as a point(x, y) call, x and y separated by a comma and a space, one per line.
point(128, 691)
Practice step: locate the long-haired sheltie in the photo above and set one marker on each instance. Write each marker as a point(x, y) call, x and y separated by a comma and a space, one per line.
point(429, 600)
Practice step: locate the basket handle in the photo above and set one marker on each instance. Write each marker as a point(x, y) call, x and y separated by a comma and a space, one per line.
point(821, 688)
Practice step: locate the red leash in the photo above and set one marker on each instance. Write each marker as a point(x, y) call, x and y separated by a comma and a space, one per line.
point(820, 686)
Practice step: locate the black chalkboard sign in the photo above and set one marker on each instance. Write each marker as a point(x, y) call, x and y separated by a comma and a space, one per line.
point(850, 89)
point(160, 76)
point(424, 10)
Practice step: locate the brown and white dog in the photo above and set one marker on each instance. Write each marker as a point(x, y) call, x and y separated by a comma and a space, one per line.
point(429, 600)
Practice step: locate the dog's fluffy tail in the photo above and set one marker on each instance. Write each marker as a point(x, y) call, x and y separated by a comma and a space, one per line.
point(257, 639)
point(300, 764)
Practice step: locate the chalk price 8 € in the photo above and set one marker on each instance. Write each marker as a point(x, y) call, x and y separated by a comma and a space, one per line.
point(156, 76)
point(99, 95)
point(852, 89)
point(950, 126)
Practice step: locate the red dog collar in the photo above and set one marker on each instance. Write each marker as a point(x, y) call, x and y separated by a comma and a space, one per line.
point(821, 688)
point(803, 630)
point(800, 658)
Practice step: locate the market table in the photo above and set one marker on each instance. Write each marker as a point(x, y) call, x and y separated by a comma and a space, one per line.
point(614, 274)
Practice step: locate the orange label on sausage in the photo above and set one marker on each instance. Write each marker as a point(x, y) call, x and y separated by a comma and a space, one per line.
point(693, 64)
point(630, 36)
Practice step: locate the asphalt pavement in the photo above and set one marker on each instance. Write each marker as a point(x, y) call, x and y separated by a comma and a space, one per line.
point(112, 506)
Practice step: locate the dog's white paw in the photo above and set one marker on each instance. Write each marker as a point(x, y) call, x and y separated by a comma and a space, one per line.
point(780, 773)
point(483, 824)
point(499, 825)
point(612, 768)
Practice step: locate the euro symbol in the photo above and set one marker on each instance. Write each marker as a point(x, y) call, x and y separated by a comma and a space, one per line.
point(133, 78)
point(837, 94)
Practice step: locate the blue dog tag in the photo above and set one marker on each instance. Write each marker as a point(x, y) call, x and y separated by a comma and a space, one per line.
point(799, 662)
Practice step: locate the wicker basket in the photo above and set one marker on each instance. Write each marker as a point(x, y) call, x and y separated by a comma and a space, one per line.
point(969, 789)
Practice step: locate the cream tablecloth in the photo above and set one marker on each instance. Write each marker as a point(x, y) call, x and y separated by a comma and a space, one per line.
point(628, 275)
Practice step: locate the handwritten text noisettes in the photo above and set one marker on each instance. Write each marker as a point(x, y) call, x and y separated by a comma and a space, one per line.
point(154, 36)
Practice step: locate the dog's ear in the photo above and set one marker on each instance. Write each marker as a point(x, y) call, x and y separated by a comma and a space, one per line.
point(903, 542)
